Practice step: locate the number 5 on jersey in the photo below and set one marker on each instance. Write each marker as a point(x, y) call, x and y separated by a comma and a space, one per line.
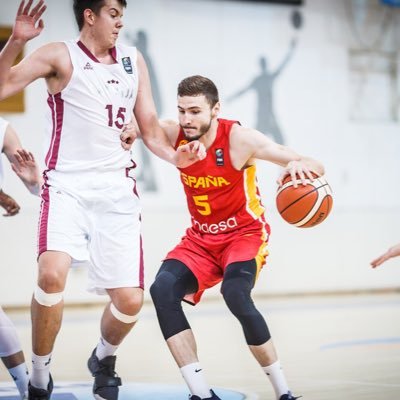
point(203, 206)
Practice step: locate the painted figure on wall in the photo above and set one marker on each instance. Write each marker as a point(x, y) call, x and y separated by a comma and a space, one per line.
point(146, 175)
point(263, 85)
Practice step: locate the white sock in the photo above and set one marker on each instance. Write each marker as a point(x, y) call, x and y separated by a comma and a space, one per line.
point(194, 378)
point(40, 371)
point(20, 376)
point(105, 349)
point(278, 380)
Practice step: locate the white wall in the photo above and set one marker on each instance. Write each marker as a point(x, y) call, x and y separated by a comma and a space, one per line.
point(224, 40)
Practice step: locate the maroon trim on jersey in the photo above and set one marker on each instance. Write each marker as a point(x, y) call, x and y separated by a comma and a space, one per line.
point(127, 174)
point(56, 104)
point(141, 261)
point(43, 219)
point(141, 266)
point(112, 52)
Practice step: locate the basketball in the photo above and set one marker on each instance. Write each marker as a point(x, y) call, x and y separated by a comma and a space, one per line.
point(307, 205)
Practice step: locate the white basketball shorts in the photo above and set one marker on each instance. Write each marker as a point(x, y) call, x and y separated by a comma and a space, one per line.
point(95, 217)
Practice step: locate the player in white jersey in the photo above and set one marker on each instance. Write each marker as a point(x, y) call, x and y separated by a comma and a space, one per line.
point(25, 167)
point(90, 209)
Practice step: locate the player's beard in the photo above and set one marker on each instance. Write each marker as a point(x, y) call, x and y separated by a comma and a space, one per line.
point(204, 128)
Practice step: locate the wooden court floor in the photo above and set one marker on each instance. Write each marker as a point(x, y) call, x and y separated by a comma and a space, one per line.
point(343, 347)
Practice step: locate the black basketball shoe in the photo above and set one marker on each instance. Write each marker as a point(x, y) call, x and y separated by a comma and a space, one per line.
point(213, 397)
point(106, 381)
point(35, 393)
point(288, 396)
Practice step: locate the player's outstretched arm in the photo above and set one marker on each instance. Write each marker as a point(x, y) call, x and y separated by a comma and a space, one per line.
point(152, 134)
point(392, 252)
point(28, 24)
point(251, 144)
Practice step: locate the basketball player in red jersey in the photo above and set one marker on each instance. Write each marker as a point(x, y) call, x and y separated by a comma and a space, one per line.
point(229, 234)
point(90, 209)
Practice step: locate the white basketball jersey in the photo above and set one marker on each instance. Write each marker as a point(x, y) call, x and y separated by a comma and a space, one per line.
point(85, 119)
point(3, 128)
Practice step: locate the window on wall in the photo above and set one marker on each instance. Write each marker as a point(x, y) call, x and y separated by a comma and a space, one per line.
point(14, 103)
point(374, 86)
point(373, 60)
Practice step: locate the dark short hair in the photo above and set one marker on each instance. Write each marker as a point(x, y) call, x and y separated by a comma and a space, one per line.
point(95, 5)
point(199, 86)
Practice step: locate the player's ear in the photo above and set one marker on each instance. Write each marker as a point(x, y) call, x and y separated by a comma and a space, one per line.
point(216, 109)
point(88, 16)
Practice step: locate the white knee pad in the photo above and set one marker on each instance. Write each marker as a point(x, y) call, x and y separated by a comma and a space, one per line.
point(47, 299)
point(9, 342)
point(127, 319)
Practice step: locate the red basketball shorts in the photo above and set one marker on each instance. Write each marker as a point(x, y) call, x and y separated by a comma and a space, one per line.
point(207, 255)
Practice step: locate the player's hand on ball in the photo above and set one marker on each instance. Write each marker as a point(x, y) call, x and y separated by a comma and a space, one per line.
point(297, 170)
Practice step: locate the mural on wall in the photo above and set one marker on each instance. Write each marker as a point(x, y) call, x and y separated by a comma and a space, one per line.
point(146, 175)
point(263, 86)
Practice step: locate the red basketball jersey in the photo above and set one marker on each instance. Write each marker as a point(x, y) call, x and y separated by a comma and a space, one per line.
point(220, 198)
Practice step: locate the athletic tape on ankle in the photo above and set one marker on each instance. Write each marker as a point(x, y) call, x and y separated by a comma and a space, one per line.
point(47, 299)
point(127, 319)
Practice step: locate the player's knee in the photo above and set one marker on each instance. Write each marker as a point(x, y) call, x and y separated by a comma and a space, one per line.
point(47, 299)
point(237, 285)
point(130, 318)
point(51, 280)
point(167, 298)
point(53, 271)
point(127, 301)
point(236, 293)
point(163, 292)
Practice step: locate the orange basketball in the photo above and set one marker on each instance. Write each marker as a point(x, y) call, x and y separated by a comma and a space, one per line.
point(304, 206)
